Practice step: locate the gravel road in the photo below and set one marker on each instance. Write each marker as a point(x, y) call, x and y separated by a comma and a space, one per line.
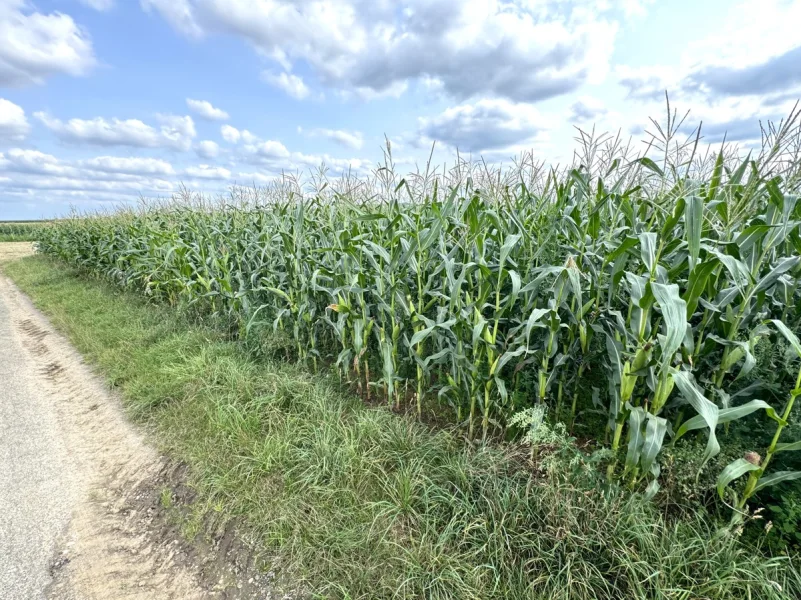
point(67, 455)
point(39, 488)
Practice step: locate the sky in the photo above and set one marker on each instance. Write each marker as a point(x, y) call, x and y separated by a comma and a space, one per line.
point(103, 102)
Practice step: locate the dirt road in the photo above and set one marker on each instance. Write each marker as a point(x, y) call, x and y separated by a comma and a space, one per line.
point(67, 455)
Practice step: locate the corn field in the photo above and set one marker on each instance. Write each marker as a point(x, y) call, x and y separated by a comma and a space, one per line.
point(625, 295)
point(19, 231)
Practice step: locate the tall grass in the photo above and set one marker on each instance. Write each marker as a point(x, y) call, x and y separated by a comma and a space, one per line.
point(629, 288)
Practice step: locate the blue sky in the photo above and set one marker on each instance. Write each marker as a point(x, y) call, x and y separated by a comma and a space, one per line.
point(104, 101)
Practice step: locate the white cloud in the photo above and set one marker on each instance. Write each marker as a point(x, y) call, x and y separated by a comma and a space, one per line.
point(32, 161)
point(178, 13)
point(175, 132)
point(101, 5)
point(36, 45)
point(490, 124)
point(754, 51)
point(232, 135)
point(523, 50)
point(291, 84)
point(207, 149)
point(586, 110)
point(348, 139)
point(178, 130)
point(208, 172)
point(204, 109)
point(102, 167)
point(254, 177)
point(129, 165)
point(277, 158)
point(271, 149)
point(13, 124)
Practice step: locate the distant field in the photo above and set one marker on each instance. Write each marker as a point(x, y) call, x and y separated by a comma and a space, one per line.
point(20, 231)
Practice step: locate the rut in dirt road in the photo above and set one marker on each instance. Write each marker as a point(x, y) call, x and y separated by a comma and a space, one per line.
point(67, 457)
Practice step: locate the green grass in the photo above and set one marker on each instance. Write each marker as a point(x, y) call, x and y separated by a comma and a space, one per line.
point(358, 502)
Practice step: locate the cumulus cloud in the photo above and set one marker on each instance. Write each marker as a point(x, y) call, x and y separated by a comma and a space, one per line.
point(205, 110)
point(32, 161)
point(175, 132)
point(275, 157)
point(232, 135)
point(128, 165)
point(270, 149)
point(208, 172)
point(587, 110)
point(36, 45)
point(753, 51)
point(489, 124)
point(775, 74)
point(26, 172)
point(21, 160)
point(13, 124)
point(348, 139)
point(207, 149)
point(520, 50)
point(289, 83)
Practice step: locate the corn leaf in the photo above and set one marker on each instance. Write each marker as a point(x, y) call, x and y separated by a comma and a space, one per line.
point(694, 220)
point(707, 410)
point(733, 470)
point(774, 478)
point(674, 311)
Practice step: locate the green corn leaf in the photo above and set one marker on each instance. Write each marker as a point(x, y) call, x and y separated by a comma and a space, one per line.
point(717, 174)
point(751, 236)
point(733, 470)
point(697, 282)
point(648, 250)
point(707, 410)
point(650, 165)
point(421, 335)
point(515, 276)
point(789, 335)
point(532, 321)
point(502, 360)
point(674, 313)
point(788, 447)
point(636, 439)
point(278, 292)
point(627, 244)
point(613, 350)
point(509, 243)
point(651, 490)
point(774, 478)
point(740, 274)
point(785, 264)
point(672, 221)
point(726, 415)
point(694, 220)
point(478, 330)
point(655, 429)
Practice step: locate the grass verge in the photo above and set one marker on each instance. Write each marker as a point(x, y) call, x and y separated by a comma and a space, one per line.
point(365, 504)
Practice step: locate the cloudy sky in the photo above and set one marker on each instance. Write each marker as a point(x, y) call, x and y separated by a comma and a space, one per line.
point(102, 101)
